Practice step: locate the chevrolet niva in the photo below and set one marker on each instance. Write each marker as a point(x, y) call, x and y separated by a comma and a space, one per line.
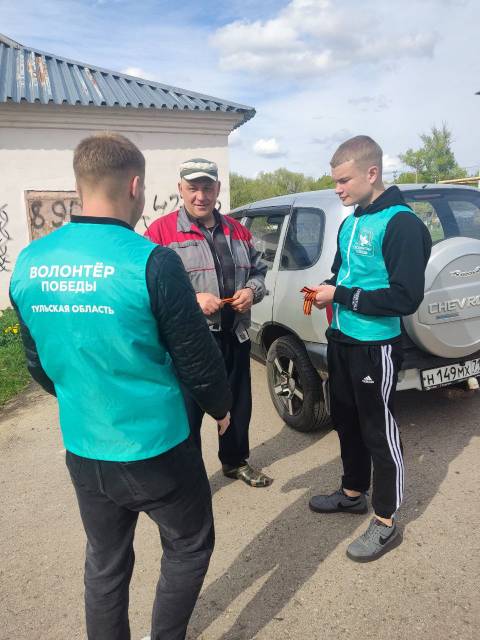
point(297, 235)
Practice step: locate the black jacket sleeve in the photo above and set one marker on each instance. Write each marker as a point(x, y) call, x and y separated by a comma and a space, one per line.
point(184, 331)
point(406, 249)
point(33, 360)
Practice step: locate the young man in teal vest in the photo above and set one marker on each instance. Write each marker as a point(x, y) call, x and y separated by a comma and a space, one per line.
point(378, 276)
point(111, 326)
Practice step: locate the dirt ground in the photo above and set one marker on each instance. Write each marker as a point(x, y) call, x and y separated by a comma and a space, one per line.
point(278, 571)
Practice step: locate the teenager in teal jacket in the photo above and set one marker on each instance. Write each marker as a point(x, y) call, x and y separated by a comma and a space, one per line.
point(378, 276)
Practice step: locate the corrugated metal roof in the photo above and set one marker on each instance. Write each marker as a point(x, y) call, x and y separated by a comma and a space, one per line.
point(27, 75)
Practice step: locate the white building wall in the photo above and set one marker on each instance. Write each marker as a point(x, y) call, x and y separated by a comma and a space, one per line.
point(36, 151)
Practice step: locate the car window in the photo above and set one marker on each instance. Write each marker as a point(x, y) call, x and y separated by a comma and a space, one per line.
point(303, 242)
point(447, 213)
point(467, 215)
point(427, 214)
point(265, 230)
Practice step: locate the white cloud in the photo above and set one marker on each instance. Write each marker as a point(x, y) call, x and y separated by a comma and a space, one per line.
point(392, 164)
point(311, 37)
point(370, 103)
point(333, 139)
point(268, 148)
point(138, 73)
point(328, 104)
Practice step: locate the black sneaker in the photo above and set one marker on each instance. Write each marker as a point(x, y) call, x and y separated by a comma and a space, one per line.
point(338, 502)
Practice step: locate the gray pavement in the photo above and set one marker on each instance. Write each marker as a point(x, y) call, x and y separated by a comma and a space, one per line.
point(278, 571)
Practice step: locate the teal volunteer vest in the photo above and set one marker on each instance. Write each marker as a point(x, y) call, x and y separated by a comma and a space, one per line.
point(82, 292)
point(363, 266)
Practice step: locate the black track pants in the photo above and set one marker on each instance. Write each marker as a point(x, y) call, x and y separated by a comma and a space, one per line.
point(362, 385)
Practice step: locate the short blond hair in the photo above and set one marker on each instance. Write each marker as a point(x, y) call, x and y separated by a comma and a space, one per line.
point(106, 155)
point(363, 150)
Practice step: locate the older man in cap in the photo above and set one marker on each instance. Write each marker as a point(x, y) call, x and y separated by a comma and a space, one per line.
point(219, 256)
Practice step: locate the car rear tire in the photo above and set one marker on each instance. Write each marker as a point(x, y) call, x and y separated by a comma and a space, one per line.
point(295, 387)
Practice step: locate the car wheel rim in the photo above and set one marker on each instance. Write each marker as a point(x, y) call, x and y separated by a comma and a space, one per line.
point(286, 384)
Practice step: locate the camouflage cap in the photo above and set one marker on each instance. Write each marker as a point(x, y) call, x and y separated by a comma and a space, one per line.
point(198, 168)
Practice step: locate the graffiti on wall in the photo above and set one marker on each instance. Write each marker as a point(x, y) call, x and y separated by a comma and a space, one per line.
point(166, 207)
point(49, 210)
point(4, 239)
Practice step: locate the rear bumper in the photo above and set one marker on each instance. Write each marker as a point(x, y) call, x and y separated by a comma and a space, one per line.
point(414, 361)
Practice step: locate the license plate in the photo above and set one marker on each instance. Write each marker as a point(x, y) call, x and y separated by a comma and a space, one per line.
point(443, 376)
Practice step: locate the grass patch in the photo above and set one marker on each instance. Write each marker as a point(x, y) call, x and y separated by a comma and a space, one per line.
point(14, 375)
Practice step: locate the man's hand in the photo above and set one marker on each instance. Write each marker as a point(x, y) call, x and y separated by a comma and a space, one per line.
point(209, 303)
point(242, 300)
point(223, 424)
point(324, 295)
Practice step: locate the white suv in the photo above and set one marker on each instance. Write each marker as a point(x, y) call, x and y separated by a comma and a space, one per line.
point(297, 235)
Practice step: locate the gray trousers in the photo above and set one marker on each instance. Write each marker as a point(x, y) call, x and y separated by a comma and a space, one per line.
point(173, 490)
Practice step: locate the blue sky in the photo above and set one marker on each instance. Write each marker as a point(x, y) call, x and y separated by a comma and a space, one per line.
point(317, 71)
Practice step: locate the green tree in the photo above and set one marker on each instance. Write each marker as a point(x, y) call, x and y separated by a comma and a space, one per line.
point(434, 160)
point(268, 185)
point(325, 182)
point(283, 181)
point(408, 177)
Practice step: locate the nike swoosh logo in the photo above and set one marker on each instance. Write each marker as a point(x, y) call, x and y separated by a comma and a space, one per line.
point(384, 540)
point(347, 506)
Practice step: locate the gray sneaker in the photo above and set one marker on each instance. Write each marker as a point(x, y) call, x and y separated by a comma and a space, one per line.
point(377, 540)
point(338, 502)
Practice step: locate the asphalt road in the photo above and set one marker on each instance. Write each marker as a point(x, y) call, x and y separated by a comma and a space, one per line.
point(278, 571)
